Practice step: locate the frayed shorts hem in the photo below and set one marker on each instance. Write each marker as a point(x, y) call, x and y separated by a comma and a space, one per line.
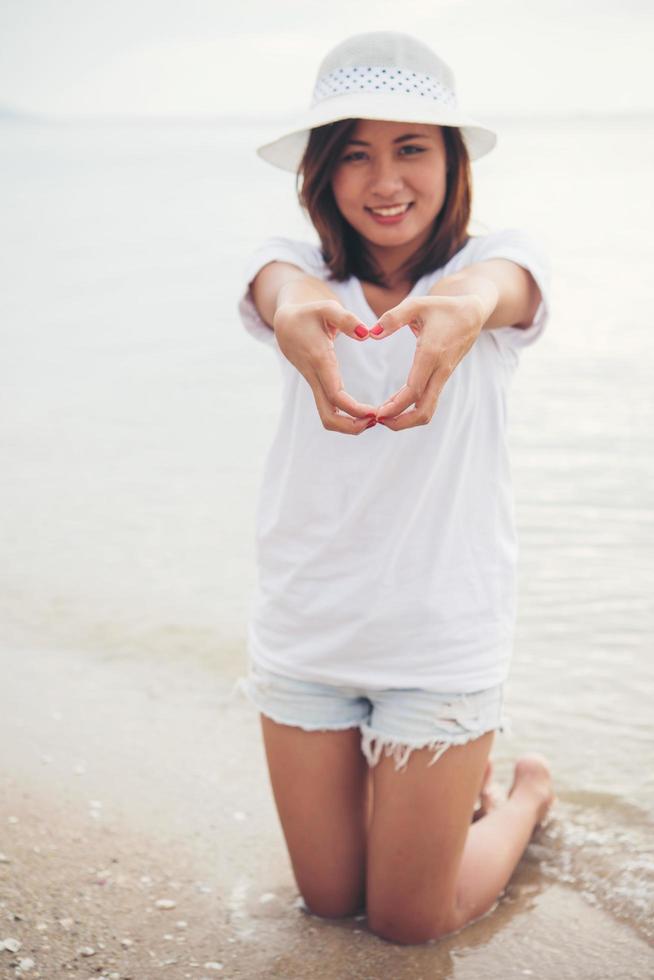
point(445, 719)
point(374, 743)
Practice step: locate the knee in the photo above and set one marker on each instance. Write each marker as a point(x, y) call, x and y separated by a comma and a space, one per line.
point(333, 906)
point(409, 932)
point(401, 934)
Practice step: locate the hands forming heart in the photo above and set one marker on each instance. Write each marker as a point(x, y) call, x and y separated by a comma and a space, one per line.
point(445, 328)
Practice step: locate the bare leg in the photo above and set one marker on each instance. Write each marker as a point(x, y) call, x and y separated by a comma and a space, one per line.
point(429, 871)
point(497, 840)
point(370, 800)
point(491, 794)
point(319, 781)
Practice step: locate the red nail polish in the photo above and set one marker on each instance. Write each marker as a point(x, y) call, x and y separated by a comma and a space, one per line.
point(361, 331)
point(371, 423)
point(370, 415)
point(377, 330)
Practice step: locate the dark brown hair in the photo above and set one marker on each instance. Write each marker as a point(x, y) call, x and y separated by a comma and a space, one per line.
point(343, 250)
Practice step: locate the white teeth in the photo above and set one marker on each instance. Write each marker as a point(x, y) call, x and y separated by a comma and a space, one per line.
point(387, 212)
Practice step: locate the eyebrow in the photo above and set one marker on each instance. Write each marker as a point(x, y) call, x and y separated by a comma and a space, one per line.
point(399, 139)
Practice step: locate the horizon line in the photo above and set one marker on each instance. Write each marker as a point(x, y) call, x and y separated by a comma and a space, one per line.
point(8, 113)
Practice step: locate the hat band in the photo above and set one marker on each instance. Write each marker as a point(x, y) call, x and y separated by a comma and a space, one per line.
point(374, 78)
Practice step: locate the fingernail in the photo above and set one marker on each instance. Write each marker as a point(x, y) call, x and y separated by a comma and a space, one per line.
point(377, 330)
point(371, 423)
point(384, 418)
point(361, 331)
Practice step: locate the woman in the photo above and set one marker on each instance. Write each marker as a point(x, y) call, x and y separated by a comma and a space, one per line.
point(381, 630)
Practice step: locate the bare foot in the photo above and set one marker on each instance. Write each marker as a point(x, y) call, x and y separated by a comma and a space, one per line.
point(491, 794)
point(533, 778)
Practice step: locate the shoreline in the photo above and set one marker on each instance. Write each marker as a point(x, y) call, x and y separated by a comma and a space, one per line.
point(128, 781)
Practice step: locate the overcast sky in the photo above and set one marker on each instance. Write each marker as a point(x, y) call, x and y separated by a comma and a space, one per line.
point(88, 57)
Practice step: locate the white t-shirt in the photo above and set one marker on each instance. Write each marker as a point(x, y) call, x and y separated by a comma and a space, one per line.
point(388, 559)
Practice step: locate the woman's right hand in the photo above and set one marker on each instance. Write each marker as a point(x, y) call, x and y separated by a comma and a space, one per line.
point(305, 333)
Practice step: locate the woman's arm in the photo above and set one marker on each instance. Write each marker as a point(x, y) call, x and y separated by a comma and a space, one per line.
point(281, 282)
point(507, 294)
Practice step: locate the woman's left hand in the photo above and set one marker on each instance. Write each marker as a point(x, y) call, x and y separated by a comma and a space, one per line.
point(446, 327)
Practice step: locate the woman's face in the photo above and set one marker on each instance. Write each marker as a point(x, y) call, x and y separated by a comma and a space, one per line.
point(392, 163)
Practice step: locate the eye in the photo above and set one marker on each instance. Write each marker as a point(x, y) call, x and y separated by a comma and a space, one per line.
point(358, 154)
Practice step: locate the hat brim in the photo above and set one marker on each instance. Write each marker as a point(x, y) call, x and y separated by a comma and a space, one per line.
point(287, 150)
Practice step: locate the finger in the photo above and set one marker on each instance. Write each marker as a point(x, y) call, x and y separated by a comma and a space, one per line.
point(348, 404)
point(340, 319)
point(425, 362)
point(331, 415)
point(406, 312)
point(395, 405)
point(425, 407)
point(328, 373)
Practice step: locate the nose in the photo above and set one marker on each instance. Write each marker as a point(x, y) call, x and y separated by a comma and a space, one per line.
point(385, 179)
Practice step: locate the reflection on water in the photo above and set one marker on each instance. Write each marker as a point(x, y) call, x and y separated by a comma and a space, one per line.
point(136, 414)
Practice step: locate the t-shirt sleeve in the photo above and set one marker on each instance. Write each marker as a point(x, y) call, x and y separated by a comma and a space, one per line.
point(305, 255)
point(527, 251)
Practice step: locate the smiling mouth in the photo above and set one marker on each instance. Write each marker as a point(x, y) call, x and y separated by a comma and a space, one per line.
point(391, 210)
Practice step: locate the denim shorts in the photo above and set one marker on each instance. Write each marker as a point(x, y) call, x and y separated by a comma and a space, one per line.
point(393, 720)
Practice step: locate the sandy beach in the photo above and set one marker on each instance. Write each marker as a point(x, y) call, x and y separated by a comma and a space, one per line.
point(140, 841)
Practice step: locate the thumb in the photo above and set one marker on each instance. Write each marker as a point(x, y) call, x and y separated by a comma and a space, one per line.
point(392, 320)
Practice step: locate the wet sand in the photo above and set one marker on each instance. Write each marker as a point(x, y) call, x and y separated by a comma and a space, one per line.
point(128, 781)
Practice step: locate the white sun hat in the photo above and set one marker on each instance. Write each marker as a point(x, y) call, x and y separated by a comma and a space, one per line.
point(380, 75)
